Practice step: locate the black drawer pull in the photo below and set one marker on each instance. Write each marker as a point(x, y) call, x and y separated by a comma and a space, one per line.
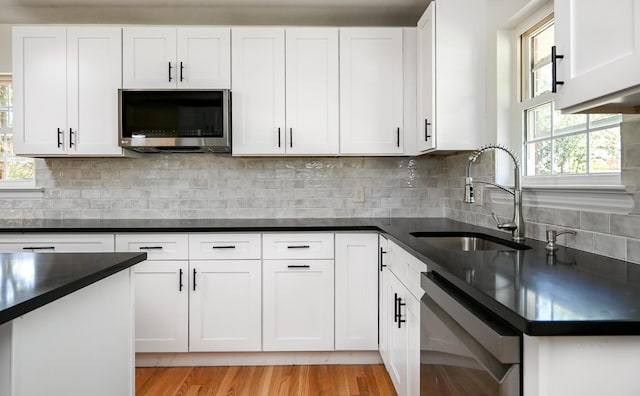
point(194, 279)
point(224, 247)
point(395, 307)
point(150, 248)
point(39, 248)
point(382, 264)
point(400, 320)
point(299, 266)
point(298, 247)
point(180, 284)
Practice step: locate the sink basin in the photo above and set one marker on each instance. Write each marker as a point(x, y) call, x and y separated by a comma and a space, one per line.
point(467, 241)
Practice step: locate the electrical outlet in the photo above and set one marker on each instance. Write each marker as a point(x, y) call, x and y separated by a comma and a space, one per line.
point(358, 194)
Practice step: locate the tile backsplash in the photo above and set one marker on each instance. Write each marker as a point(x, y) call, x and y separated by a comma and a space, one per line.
point(219, 186)
point(609, 234)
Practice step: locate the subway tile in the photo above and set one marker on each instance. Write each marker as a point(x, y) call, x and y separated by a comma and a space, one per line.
point(633, 250)
point(595, 221)
point(625, 225)
point(610, 246)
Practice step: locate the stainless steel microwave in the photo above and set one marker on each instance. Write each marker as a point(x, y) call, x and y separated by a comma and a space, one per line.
point(153, 121)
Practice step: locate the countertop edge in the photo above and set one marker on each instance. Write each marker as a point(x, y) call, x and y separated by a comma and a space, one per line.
point(36, 302)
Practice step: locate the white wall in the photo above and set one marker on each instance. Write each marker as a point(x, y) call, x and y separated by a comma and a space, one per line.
point(5, 48)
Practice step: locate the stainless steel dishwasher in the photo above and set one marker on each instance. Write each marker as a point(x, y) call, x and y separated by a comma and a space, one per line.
point(464, 351)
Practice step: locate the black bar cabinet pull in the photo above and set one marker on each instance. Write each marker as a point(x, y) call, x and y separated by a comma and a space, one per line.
point(71, 134)
point(170, 72)
point(224, 247)
point(181, 69)
point(382, 264)
point(290, 137)
point(39, 248)
point(554, 69)
point(398, 141)
point(299, 266)
point(395, 307)
point(180, 285)
point(426, 130)
point(400, 320)
point(279, 141)
point(59, 138)
point(194, 279)
point(298, 247)
point(150, 248)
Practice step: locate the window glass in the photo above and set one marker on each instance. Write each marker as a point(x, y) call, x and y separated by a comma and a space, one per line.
point(12, 168)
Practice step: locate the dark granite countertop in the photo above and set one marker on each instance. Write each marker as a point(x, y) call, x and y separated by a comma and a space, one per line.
point(570, 293)
point(31, 280)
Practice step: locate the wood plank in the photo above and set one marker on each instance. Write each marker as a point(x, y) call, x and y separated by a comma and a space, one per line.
point(316, 380)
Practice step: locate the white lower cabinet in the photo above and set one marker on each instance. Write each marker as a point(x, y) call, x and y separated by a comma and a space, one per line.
point(298, 305)
point(400, 323)
point(224, 307)
point(162, 306)
point(356, 294)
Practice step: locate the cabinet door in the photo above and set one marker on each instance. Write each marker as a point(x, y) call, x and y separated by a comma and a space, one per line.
point(312, 91)
point(356, 292)
point(397, 337)
point(149, 57)
point(297, 305)
point(162, 306)
point(371, 91)
point(94, 75)
point(204, 58)
point(258, 83)
point(225, 306)
point(57, 243)
point(426, 79)
point(40, 90)
point(600, 42)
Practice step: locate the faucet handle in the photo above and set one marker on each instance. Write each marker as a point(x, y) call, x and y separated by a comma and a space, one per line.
point(509, 226)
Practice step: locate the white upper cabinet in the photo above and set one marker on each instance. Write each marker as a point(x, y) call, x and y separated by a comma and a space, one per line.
point(426, 71)
point(66, 84)
point(169, 57)
point(258, 100)
point(94, 64)
point(40, 90)
point(263, 93)
point(451, 76)
point(600, 45)
point(371, 91)
point(312, 91)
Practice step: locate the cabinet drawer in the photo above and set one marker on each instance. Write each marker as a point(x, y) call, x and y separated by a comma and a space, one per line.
point(157, 246)
point(224, 246)
point(298, 246)
point(58, 243)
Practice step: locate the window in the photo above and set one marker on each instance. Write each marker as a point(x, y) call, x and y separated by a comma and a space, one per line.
point(558, 144)
point(14, 171)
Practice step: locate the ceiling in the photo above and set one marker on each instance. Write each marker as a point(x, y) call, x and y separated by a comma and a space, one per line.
point(216, 12)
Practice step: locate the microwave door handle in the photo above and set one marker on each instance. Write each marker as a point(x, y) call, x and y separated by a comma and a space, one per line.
point(494, 367)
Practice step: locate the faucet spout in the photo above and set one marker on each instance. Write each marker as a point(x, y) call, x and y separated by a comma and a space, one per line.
point(516, 225)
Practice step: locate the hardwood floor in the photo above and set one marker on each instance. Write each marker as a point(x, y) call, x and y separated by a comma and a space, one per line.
point(325, 380)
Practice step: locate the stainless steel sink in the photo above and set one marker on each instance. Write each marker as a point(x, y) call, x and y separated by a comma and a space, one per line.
point(467, 241)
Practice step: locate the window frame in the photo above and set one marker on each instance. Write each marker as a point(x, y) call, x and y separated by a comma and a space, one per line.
point(13, 185)
point(528, 25)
